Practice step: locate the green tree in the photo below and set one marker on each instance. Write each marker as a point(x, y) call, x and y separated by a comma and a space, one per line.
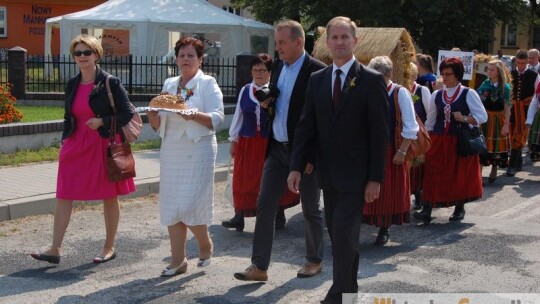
point(434, 24)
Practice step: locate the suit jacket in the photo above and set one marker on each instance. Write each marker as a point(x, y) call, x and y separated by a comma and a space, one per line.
point(309, 66)
point(99, 103)
point(351, 141)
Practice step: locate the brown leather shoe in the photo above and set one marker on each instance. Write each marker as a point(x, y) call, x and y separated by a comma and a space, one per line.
point(309, 269)
point(252, 273)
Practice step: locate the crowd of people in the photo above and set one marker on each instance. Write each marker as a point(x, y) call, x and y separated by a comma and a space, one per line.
point(329, 128)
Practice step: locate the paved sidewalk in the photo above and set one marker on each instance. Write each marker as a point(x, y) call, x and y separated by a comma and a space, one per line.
point(30, 189)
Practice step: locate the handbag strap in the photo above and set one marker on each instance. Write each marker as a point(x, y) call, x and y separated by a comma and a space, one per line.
point(230, 163)
point(112, 138)
point(397, 109)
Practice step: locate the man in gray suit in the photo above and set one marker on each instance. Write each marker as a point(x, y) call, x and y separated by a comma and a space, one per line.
point(290, 75)
point(346, 113)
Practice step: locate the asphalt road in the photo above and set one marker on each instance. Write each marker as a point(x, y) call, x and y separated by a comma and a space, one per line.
point(495, 249)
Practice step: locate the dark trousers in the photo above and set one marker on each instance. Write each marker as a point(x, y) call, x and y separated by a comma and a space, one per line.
point(273, 183)
point(343, 215)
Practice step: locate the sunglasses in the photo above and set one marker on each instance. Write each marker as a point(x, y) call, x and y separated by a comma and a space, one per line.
point(85, 53)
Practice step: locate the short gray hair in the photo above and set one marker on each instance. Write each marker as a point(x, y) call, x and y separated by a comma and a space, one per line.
point(382, 64)
point(297, 31)
point(533, 51)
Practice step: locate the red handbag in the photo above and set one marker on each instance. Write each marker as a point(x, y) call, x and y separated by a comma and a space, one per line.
point(120, 161)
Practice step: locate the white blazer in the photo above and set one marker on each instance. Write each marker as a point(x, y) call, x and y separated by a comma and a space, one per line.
point(207, 98)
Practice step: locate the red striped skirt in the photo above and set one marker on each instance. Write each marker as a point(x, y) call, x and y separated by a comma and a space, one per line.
point(248, 166)
point(394, 202)
point(450, 179)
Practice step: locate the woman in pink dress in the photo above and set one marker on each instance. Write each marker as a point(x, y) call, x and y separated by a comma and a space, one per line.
point(82, 171)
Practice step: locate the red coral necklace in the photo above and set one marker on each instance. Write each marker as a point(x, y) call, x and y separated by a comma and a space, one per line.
point(451, 99)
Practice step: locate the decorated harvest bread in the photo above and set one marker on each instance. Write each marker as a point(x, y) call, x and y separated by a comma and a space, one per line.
point(174, 102)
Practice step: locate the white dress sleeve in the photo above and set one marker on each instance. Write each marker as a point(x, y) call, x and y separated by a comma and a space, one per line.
point(476, 107)
point(425, 98)
point(213, 102)
point(533, 107)
point(237, 120)
point(431, 112)
point(408, 117)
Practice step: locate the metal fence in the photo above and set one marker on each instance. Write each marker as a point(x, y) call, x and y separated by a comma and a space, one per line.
point(139, 74)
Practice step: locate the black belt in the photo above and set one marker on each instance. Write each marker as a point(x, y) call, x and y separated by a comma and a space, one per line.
point(285, 144)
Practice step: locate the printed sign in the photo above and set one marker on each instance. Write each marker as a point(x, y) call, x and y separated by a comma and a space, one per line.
point(466, 57)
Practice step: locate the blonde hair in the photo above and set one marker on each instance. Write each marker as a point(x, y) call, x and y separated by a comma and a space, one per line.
point(500, 68)
point(297, 31)
point(502, 76)
point(88, 40)
point(414, 71)
point(341, 19)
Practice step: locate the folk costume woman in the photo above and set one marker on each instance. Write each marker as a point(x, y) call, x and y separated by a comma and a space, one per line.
point(495, 95)
point(450, 179)
point(249, 137)
point(394, 203)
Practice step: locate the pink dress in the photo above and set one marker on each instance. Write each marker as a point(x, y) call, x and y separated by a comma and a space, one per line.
point(82, 171)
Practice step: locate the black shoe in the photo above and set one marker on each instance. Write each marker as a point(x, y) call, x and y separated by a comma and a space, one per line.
point(458, 215)
point(519, 166)
point(424, 215)
point(417, 201)
point(510, 171)
point(382, 237)
point(280, 219)
point(236, 222)
point(53, 259)
point(104, 259)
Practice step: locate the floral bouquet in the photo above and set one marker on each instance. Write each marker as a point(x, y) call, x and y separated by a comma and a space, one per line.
point(8, 112)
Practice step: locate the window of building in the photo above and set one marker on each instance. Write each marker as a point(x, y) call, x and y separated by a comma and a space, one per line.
point(3, 21)
point(231, 10)
point(509, 35)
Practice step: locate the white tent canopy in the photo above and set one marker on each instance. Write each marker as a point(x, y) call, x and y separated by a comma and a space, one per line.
point(150, 23)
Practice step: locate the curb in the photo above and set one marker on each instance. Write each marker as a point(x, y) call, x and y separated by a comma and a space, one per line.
point(45, 203)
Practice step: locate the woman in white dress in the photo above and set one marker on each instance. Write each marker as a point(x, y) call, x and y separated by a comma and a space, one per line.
point(188, 156)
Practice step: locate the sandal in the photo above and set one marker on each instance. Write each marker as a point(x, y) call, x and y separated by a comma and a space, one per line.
point(104, 258)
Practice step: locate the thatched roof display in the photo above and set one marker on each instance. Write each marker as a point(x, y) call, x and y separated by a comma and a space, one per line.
point(395, 43)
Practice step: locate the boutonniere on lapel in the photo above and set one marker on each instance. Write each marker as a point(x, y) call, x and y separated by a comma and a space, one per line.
point(351, 82)
point(415, 98)
point(96, 88)
point(186, 93)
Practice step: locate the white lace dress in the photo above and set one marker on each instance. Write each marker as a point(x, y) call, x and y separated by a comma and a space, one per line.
point(188, 156)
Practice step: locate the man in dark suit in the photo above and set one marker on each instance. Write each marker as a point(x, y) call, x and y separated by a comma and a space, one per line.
point(290, 76)
point(346, 113)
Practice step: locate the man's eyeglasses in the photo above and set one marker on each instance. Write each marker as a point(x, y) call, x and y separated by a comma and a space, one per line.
point(447, 74)
point(259, 70)
point(85, 53)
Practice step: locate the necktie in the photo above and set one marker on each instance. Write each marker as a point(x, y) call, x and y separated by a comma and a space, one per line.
point(337, 89)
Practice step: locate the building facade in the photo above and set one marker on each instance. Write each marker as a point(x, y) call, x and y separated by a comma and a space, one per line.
point(22, 22)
